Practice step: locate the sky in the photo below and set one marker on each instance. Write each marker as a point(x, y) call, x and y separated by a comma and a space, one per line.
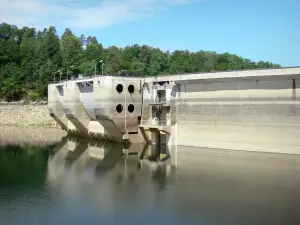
point(266, 30)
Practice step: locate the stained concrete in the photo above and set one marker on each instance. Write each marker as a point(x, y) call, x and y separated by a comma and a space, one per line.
point(255, 110)
point(249, 110)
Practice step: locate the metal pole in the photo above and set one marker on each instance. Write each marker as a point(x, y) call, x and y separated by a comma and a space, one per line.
point(68, 71)
point(126, 108)
point(54, 75)
point(102, 68)
point(95, 68)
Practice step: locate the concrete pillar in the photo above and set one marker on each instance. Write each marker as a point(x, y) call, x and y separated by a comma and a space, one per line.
point(86, 89)
point(75, 112)
point(155, 142)
point(56, 109)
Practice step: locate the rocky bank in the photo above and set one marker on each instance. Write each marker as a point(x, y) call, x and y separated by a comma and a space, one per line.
point(19, 114)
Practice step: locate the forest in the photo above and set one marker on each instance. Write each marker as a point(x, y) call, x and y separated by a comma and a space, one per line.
point(30, 59)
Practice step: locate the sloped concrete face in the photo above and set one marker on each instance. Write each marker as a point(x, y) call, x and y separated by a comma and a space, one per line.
point(78, 119)
point(56, 109)
point(86, 89)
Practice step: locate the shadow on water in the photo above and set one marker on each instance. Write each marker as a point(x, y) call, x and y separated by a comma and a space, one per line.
point(80, 181)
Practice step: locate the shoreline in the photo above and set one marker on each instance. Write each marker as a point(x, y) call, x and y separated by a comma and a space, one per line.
point(26, 115)
point(22, 136)
point(24, 102)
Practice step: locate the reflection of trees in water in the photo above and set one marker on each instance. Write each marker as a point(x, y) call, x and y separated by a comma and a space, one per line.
point(25, 165)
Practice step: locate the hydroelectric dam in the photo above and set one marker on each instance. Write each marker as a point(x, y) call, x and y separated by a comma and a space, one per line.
point(251, 110)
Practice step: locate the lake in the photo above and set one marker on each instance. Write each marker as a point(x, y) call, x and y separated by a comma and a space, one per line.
point(75, 181)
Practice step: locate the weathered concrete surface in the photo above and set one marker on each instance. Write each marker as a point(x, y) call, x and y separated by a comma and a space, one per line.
point(108, 97)
point(253, 115)
point(250, 110)
point(113, 99)
point(78, 119)
point(256, 110)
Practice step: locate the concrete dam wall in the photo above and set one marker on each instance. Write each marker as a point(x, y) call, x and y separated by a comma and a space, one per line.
point(255, 110)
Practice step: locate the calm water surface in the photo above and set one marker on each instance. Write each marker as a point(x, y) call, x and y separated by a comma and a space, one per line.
point(80, 182)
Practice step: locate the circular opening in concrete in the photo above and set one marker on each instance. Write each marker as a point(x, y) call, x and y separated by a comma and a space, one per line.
point(119, 108)
point(131, 88)
point(131, 108)
point(119, 88)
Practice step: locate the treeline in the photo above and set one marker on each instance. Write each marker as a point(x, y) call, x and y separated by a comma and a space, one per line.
point(30, 58)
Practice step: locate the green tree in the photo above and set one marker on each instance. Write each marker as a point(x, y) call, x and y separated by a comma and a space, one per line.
point(28, 59)
point(71, 52)
point(137, 68)
point(112, 57)
point(11, 88)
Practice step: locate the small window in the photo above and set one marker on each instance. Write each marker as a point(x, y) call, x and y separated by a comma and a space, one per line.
point(131, 88)
point(131, 108)
point(119, 88)
point(119, 108)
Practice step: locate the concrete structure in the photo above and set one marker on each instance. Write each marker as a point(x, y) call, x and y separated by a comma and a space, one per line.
point(255, 110)
point(106, 108)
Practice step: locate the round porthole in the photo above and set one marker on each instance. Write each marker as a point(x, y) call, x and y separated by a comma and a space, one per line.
point(131, 108)
point(119, 88)
point(131, 88)
point(119, 108)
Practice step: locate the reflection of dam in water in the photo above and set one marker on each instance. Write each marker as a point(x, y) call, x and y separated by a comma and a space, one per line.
point(77, 163)
point(75, 155)
point(227, 186)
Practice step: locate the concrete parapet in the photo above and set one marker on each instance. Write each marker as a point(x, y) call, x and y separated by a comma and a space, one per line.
point(238, 74)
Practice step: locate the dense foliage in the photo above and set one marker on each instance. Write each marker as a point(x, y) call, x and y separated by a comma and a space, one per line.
point(30, 58)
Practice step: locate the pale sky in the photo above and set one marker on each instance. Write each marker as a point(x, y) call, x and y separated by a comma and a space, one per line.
point(258, 29)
